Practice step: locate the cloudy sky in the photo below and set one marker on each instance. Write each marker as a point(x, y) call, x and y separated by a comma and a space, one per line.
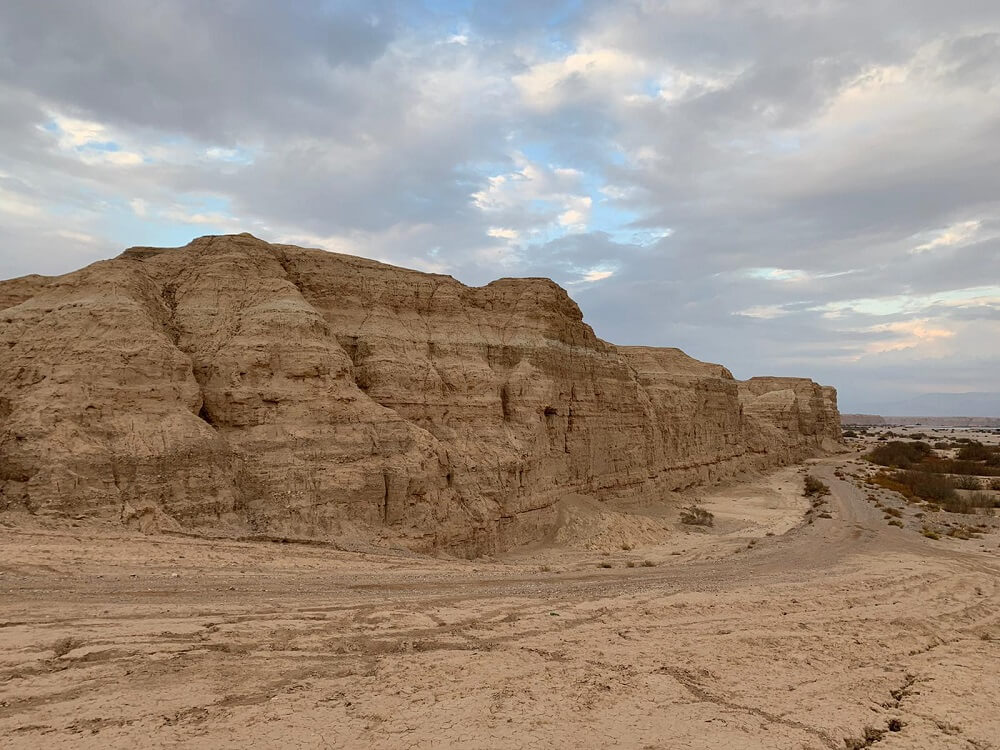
point(800, 187)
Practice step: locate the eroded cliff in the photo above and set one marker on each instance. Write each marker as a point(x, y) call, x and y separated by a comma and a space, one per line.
point(237, 386)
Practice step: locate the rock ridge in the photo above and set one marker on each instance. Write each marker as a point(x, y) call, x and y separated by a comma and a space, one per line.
point(239, 387)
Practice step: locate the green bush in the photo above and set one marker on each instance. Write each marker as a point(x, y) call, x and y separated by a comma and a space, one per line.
point(974, 452)
point(928, 486)
point(900, 455)
point(967, 483)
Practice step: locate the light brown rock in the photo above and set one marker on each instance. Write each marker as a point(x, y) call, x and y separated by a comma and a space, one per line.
point(234, 386)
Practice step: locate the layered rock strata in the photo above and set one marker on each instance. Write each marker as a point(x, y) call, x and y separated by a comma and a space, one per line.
point(235, 386)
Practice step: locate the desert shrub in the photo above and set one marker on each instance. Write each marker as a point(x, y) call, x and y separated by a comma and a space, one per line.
point(896, 522)
point(967, 483)
point(929, 533)
point(984, 500)
point(695, 516)
point(814, 486)
point(961, 532)
point(898, 454)
point(850, 434)
point(955, 466)
point(648, 564)
point(995, 485)
point(889, 482)
point(974, 452)
point(928, 486)
point(969, 503)
point(941, 445)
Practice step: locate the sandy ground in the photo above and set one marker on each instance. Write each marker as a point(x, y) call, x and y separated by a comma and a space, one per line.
point(765, 631)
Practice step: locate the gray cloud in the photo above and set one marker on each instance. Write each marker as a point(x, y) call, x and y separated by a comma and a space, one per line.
point(784, 187)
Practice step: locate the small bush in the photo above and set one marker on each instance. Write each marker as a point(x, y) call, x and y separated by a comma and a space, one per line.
point(995, 484)
point(928, 486)
point(974, 452)
point(695, 516)
point(648, 564)
point(896, 522)
point(961, 532)
point(969, 503)
point(898, 454)
point(814, 486)
point(967, 483)
point(930, 533)
point(984, 500)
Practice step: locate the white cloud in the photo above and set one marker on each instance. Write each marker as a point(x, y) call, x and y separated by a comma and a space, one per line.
point(535, 200)
point(17, 205)
point(957, 234)
point(576, 216)
point(83, 237)
point(764, 312)
point(909, 334)
point(544, 85)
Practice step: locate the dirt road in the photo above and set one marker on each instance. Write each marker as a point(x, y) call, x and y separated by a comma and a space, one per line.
point(827, 635)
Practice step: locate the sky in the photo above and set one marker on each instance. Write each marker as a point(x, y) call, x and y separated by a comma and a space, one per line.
point(794, 187)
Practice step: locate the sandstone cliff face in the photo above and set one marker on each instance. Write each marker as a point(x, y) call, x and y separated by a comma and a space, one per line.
point(793, 406)
point(242, 387)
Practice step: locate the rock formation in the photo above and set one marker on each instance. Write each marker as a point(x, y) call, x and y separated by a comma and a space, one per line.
point(235, 386)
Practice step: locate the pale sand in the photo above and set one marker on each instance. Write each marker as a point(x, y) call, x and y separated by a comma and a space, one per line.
point(800, 640)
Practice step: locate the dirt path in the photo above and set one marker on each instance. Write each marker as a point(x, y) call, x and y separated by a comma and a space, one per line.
point(805, 639)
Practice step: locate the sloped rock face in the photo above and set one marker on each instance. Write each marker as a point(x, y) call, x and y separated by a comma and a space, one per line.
point(795, 406)
point(234, 386)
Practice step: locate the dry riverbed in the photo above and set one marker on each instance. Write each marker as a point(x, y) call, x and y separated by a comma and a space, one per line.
point(774, 628)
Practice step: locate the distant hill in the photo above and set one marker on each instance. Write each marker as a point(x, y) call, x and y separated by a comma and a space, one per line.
point(876, 420)
point(937, 405)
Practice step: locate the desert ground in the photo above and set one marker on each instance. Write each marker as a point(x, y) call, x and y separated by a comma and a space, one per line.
point(783, 625)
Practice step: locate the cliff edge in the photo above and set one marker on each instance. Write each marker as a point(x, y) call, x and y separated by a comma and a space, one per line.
point(240, 387)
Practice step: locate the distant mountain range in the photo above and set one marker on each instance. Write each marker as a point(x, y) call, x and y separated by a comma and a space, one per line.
point(935, 405)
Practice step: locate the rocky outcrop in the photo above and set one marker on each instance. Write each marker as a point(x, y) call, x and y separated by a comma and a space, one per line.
point(795, 406)
point(234, 386)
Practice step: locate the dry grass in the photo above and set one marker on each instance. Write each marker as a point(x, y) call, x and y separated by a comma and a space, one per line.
point(695, 516)
point(815, 487)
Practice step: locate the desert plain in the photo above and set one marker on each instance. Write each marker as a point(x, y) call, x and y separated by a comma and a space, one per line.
point(787, 624)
